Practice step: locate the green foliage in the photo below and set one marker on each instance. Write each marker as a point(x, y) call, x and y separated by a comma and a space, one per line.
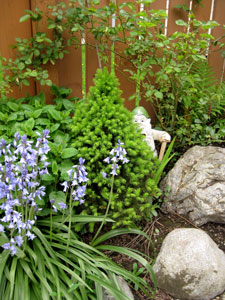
point(166, 158)
point(33, 54)
point(55, 263)
point(44, 271)
point(97, 126)
point(35, 15)
point(137, 271)
point(200, 120)
point(167, 70)
point(182, 88)
point(177, 91)
point(4, 85)
point(30, 115)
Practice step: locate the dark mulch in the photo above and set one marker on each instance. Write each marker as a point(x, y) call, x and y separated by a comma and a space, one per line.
point(157, 230)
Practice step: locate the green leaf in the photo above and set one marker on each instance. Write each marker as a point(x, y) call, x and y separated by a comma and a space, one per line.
point(42, 121)
point(21, 66)
point(24, 18)
point(158, 94)
point(37, 113)
point(19, 293)
point(12, 117)
point(25, 82)
point(27, 270)
point(68, 104)
point(2, 116)
point(65, 166)
point(58, 197)
point(55, 114)
point(47, 177)
point(29, 124)
point(3, 239)
point(61, 138)
point(73, 287)
point(48, 107)
point(184, 7)
point(13, 106)
point(164, 162)
point(12, 276)
point(139, 258)
point(3, 259)
point(181, 23)
point(69, 152)
point(48, 82)
point(28, 107)
point(54, 167)
point(54, 127)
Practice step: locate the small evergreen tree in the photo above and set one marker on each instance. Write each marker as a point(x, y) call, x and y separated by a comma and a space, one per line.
point(97, 126)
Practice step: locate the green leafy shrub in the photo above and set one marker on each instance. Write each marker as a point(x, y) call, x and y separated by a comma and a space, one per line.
point(97, 126)
point(30, 115)
point(33, 54)
point(201, 119)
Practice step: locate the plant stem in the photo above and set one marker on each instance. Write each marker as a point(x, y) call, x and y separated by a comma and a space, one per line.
point(2, 94)
point(113, 59)
point(70, 221)
point(83, 55)
point(51, 223)
point(106, 213)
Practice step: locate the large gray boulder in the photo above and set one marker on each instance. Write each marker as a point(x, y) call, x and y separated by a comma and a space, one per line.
point(190, 265)
point(197, 185)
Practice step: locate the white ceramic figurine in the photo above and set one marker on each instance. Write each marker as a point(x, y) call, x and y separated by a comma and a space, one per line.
point(144, 122)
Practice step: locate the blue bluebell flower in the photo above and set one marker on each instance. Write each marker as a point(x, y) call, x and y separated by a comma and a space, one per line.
point(77, 176)
point(22, 163)
point(62, 205)
point(118, 154)
point(30, 235)
point(104, 174)
point(2, 228)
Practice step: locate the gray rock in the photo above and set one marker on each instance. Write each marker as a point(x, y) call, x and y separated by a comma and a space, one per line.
point(197, 185)
point(190, 265)
point(124, 288)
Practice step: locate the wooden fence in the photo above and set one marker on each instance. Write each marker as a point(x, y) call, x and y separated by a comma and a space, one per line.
point(67, 72)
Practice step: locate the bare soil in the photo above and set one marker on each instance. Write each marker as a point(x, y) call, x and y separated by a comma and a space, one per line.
point(157, 230)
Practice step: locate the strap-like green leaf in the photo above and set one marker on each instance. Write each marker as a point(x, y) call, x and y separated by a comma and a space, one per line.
point(12, 276)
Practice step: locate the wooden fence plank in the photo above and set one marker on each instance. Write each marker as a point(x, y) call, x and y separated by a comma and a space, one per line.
point(42, 27)
point(202, 12)
point(126, 85)
point(10, 28)
point(92, 63)
point(68, 71)
point(215, 58)
point(176, 14)
point(69, 68)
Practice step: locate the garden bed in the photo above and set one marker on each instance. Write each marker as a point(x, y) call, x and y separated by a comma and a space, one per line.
point(157, 230)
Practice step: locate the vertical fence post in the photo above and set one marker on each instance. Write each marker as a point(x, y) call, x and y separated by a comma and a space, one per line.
point(113, 44)
point(83, 64)
point(166, 20)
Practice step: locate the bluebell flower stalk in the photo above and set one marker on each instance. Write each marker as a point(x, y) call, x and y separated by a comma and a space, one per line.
point(118, 155)
point(77, 187)
point(21, 165)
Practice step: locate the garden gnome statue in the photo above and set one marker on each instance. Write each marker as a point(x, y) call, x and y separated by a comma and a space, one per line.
point(143, 120)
